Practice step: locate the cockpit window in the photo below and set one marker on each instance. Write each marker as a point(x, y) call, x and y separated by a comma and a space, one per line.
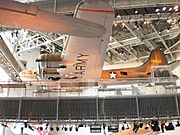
point(124, 73)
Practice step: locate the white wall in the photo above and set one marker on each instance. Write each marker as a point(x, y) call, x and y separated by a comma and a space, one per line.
point(30, 56)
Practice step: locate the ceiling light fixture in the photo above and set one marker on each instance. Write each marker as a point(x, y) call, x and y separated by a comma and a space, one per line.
point(175, 7)
point(176, 10)
point(158, 13)
point(170, 9)
point(164, 9)
point(109, 54)
point(118, 16)
point(157, 10)
point(146, 22)
point(169, 20)
point(136, 25)
point(136, 11)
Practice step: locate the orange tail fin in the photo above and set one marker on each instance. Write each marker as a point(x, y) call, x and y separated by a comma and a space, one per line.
point(156, 58)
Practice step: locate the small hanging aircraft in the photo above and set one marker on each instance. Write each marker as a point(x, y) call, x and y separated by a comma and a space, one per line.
point(156, 58)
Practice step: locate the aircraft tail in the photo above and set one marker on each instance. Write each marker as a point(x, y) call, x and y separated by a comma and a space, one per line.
point(157, 58)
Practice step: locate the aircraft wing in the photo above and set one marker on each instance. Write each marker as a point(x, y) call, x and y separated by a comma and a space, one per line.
point(84, 57)
point(19, 15)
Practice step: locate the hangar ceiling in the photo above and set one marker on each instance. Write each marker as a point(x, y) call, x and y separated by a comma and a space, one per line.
point(139, 27)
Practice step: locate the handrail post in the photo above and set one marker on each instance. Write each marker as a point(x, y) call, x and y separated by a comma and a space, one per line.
point(177, 106)
point(57, 111)
point(19, 110)
point(137, 106)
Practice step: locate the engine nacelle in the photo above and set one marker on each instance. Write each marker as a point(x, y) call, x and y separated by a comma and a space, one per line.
point(49, 58)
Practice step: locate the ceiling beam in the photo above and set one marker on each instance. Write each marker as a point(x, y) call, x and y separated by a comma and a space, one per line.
point(119, 4)
point(175, 30)
point(117, 43)
point(147, 17)
point(162, 40)
point(176, 44)
point(139, 34)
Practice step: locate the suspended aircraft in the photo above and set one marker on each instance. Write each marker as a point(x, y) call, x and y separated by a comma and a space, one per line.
point(50, 66)
point(156, 58)
point(83, 58)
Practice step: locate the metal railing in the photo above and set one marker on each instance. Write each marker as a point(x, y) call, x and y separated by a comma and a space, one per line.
point(90, 108)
